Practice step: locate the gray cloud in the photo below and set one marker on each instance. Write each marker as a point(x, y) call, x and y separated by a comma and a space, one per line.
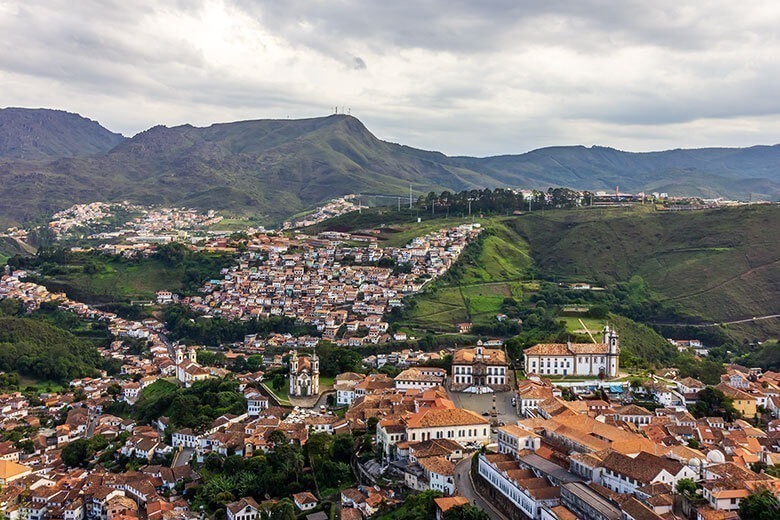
point(463, 77)
point(358, 63)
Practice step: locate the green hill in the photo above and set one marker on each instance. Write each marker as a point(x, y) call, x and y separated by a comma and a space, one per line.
point(640, 345)
point(720, 265)
point(38, 349)
point(277, 168)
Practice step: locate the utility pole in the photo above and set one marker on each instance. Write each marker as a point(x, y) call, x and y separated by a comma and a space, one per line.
point(470, 208)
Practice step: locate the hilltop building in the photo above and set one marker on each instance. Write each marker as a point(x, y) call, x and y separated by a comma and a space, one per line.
point(479, 370)
point(576, 359)
point(304, 375)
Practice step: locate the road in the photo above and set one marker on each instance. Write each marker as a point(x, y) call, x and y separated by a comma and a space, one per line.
point(182, 457)
point(719, 323)
point(465, 488)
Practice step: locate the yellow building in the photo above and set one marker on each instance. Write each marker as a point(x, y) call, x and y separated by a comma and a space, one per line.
point(743, 402)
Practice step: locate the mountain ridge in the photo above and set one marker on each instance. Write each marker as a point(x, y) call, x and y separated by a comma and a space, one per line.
point(278, 167)
point(40, 133)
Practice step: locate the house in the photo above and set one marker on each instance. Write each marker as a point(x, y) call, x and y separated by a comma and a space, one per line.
point(512, 439)
point(530, 394)
point(244, 509)
point(519, 486)
point(633, 414)
point(576, 359)
point(479, 370)
point(344, 384)
point(624, 474)
point(420, 378)
point(184, 438)
point(440, 473)
point(255, 402)
point(743, 402)
point(305, 501)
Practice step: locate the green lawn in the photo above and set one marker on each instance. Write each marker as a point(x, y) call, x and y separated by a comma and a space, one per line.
point(594, 326)
point(282, 395)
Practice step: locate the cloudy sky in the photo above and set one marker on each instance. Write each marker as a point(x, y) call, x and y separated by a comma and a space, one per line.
point(463, 77)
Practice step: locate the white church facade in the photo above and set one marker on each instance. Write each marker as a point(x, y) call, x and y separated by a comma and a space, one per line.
point(304, 375)
point(576, 359)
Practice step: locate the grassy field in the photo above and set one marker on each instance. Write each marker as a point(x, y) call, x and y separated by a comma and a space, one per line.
point(119, 281)
point(718, 264)
point(39, 385)
point(497, 273)
point(593, 325)
point(233, 224)
point(123, 281)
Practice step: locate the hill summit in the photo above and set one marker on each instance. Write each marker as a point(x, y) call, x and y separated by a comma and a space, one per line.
point(275, 168)
point(27, 133)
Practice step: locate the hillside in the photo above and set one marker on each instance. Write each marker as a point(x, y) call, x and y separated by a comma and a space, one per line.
point(10, 247)
point(272, 169)
point(721, 265)
point(46, 134)
point(44, 351)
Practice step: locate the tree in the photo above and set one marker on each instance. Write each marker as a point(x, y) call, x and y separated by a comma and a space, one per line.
point(343, 447)
point(759, 506)
point(77, 453)
point(277, 437)
point(713, 403)
point(283, 510)
point(172, 254)
point(686, 486)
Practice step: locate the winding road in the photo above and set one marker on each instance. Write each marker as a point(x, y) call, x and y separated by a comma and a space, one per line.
point(719, 323)
point(465, 488)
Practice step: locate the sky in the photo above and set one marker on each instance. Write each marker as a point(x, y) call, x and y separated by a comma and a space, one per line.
point(463, 77)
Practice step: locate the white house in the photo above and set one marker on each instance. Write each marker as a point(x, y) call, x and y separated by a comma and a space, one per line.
point(440, 473)
point(625, 474)
point(244, 509)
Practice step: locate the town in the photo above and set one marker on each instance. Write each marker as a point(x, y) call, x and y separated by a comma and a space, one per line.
point(176, 430)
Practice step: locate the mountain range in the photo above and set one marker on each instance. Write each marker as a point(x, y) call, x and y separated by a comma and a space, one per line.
point(271, 169)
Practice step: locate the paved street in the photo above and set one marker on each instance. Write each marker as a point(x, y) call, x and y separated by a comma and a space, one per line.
point(465, 488)
point(182, 457)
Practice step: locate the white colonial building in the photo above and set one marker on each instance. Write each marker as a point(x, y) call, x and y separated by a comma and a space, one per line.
point(479, 370)
point(576, 359)
point(420, 378)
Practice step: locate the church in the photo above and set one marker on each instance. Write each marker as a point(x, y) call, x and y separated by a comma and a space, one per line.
point(576, 359)
point(304, 375)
